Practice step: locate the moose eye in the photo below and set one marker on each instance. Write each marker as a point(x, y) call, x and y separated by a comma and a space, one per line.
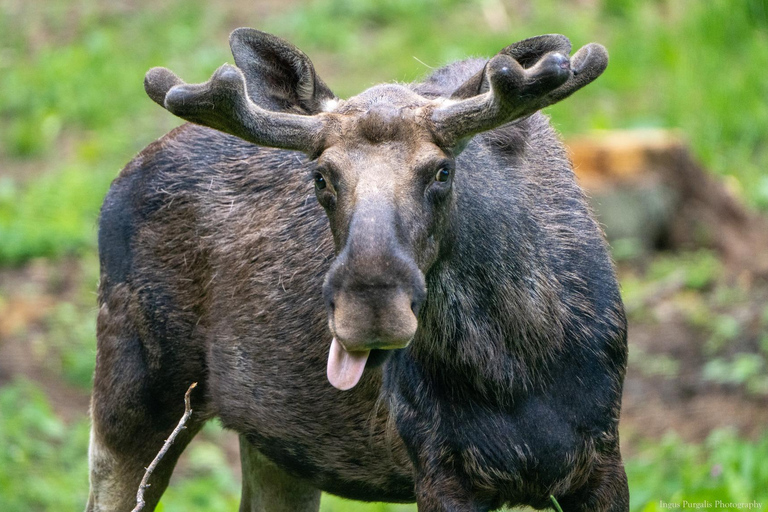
point(320, 181)
point(443, 174)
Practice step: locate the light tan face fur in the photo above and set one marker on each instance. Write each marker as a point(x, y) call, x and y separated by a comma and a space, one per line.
point(385, 185)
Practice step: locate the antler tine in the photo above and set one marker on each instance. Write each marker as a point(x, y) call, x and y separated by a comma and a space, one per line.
point(586, 65)
point(516, 92)
point(223, 103)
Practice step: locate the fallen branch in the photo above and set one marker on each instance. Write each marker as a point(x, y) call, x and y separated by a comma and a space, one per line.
point(168, 442)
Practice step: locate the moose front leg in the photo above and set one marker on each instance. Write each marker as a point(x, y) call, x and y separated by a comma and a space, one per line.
point(606, 489)
point(120, 452)
point(439, 492)
point(135, 406)
point(267, 488)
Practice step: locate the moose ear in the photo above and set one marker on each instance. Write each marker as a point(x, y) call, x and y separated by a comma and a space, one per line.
point(278, 76)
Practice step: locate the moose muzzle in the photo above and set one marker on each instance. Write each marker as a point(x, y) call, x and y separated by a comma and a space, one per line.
point(373, 292)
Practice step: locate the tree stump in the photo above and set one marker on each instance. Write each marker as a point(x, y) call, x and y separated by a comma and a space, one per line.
point(650, 193)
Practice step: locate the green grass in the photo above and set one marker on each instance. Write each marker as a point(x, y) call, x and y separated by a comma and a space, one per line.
point(724, 468)
point(79, 109)
point(70, 330)
point(72, 98)
point(43, 462)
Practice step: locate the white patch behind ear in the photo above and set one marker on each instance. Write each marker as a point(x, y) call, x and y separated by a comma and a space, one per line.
point(330, 105)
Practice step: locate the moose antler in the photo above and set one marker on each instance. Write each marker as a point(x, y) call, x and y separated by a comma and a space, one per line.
point(515, 91)
point(223, 103)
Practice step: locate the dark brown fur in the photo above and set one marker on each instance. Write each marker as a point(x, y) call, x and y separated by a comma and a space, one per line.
point(221, 265)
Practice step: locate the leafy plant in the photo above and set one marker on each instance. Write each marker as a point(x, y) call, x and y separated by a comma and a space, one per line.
point(744, 369)
point(43, 462)
point(696, 270)
point(653, 365)
point(724, 468)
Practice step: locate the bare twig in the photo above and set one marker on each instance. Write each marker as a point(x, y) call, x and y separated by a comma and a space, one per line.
point(168, 442)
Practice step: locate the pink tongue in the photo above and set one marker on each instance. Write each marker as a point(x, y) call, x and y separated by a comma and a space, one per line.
point(345, 368)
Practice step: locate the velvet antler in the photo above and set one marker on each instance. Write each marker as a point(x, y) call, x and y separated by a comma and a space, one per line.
point(508, 89)
point(222, 103)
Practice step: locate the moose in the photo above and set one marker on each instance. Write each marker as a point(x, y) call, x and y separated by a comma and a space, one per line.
point(401, 296)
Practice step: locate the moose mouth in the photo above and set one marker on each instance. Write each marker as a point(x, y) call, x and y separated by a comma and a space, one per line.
point(366, 328)
point(345, 368)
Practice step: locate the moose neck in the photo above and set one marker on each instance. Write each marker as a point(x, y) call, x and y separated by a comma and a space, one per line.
point(493, 334)
point(494, 314)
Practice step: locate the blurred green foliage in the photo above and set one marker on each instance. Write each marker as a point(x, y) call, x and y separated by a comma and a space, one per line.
point(71, 343)
point(72, 98)
point(206, 482)
point(724, 468)
point(653, 365)
point(43, 462)
point(70, 330)
point(696, 270)
point(745, 369)
point(734, 336)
